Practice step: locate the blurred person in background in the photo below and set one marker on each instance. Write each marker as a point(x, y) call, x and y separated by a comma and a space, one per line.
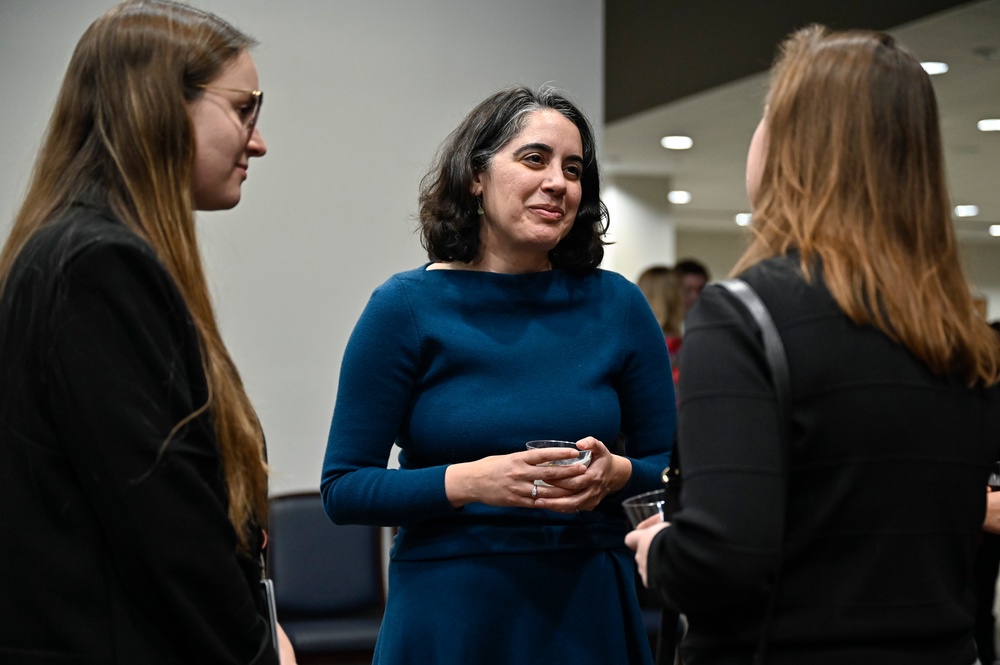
point(662, 287)
point(694, 277)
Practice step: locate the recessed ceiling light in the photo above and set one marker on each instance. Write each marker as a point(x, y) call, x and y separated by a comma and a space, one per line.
point(995, 230)
point(966, 211)
point(679, 196)
point(743, 219)
point(677, 142)
point(989, 125)
point(933, 68)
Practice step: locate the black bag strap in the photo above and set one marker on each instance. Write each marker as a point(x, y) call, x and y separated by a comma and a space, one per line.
point(774, 350)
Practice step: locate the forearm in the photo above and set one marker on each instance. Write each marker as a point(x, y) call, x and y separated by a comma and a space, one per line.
point(621, 473)
point(461, 483)
point(649, 407)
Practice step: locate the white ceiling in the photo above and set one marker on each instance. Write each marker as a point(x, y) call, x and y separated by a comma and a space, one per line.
point(722, 120)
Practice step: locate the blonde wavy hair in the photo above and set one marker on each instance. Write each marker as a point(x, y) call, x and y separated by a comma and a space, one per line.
point(853, 178)
point(662, 287)
point(121, 128)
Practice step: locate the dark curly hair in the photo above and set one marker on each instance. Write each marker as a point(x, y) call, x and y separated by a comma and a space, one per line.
point(449, 222)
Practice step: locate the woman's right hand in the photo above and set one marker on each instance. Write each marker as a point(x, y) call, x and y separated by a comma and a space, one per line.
point(992, 521)
point(508, 480)
point(286, 653)
point(639, 540)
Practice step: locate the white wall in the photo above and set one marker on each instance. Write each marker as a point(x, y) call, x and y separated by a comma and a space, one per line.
point(642, 227)
point(358, 95)
point(981, 261)
point(718, 250)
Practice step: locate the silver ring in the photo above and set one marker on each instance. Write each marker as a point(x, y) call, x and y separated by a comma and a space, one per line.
point(534, 491)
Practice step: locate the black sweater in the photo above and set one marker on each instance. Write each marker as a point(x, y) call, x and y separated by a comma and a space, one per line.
point(879, 517)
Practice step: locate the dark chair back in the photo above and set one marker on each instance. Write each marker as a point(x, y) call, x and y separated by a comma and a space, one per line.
point(327, 578)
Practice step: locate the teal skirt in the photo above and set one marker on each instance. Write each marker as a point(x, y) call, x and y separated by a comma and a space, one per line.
point(577, 607)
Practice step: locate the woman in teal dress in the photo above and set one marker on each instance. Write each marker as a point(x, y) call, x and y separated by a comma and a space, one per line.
point(511, 333)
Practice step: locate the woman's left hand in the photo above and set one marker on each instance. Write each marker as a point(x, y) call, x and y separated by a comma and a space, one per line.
point(640, 539)
point(607, 473)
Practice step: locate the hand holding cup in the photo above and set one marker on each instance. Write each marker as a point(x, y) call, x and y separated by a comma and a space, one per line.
point(646, 514)
point(583, 456)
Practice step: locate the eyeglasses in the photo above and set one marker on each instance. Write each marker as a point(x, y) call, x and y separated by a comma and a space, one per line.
point(248, 113)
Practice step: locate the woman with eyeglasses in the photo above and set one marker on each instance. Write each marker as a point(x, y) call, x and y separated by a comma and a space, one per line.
point(131, 460)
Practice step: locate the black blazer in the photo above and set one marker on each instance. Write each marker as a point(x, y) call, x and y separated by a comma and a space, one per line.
point(115, 546)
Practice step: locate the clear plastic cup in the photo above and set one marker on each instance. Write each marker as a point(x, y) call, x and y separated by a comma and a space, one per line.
point(582, 458)
point(643, 506)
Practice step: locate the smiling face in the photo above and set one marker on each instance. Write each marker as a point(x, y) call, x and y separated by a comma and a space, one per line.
point(530, 193)
point(223, 145)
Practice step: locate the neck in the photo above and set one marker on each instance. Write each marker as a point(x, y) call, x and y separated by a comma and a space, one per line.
point(512, 265)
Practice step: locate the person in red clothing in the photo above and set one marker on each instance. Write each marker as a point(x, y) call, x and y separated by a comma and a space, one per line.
point(662, 287)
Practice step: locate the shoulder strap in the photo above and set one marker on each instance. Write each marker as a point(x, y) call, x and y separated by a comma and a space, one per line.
point(774, 350)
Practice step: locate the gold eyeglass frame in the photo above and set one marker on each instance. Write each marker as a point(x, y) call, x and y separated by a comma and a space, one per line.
point(258, 97)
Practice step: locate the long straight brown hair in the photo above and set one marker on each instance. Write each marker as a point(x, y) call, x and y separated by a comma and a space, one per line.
point(853, 178)
point(121, 129)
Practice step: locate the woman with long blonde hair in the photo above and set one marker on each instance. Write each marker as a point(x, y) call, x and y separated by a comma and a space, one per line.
point(841, 529)
point(131, 459)
point(664, 292)
point(662, 287)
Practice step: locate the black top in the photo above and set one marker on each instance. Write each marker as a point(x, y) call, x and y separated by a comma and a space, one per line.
point(116, 546)
point(877, 521)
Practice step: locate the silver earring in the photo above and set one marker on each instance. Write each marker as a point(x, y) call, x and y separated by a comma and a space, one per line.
point(479, 206)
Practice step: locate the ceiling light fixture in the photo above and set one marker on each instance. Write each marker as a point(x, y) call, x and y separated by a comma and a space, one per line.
point(934, 68)
point(677, 142)
point(989, 125)
point(679, 196)
point(995, 230)
point(743, 219)
point(966, 211)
